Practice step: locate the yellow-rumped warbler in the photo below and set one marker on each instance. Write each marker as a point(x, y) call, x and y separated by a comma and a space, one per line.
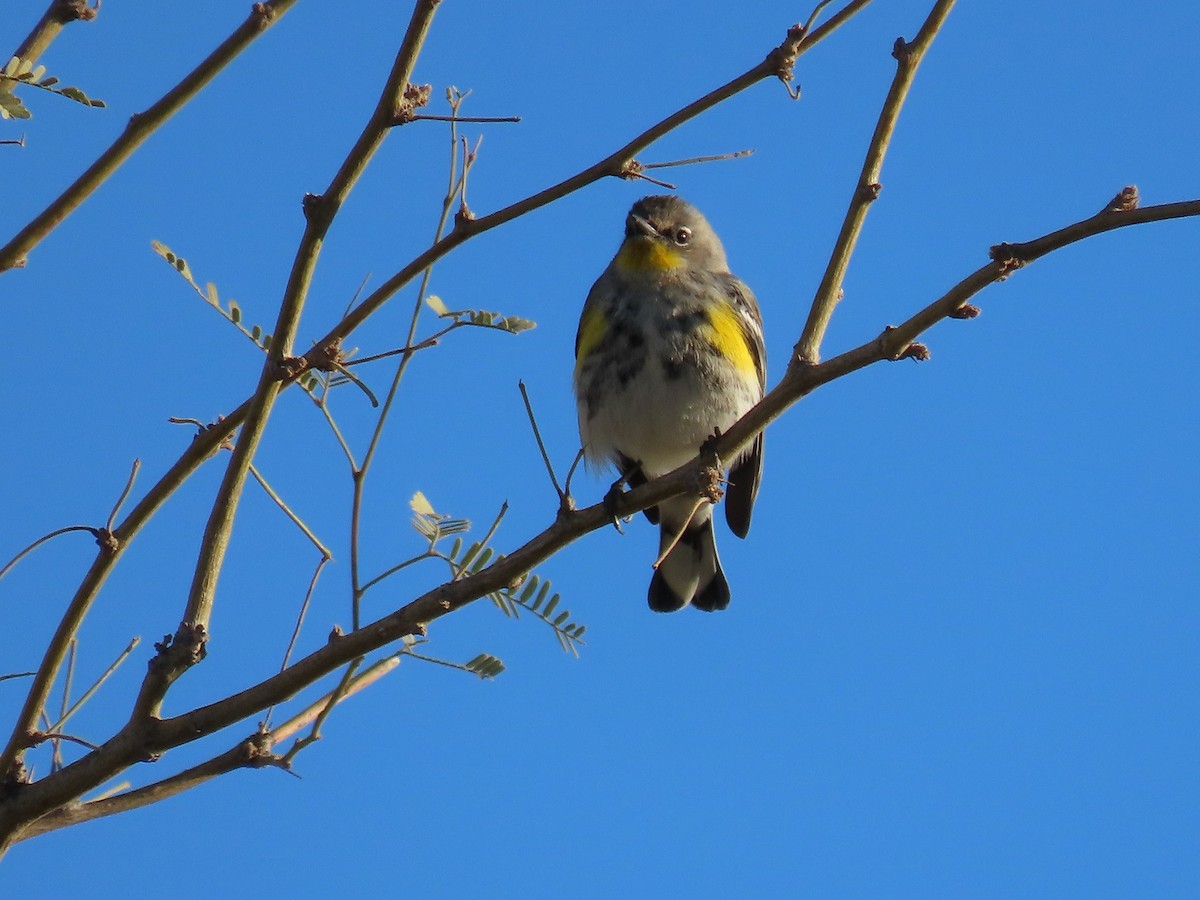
point(670, 351)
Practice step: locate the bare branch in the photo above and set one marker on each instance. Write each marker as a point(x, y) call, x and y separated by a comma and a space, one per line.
point(287, 654)
point(287, 511)
point(43, 539)
point(87, 695)
point(365, 679)
point(481, 119)
point(58, 14)
point(537, 436)
point(908, 58)
point(320, 214)
point(112, 516)
point(246, 754)
point(140, 127)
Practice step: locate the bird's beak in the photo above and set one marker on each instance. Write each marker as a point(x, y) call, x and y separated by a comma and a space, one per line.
point(639, 227)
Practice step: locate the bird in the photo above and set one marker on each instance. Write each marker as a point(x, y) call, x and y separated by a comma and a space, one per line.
point(669, 353)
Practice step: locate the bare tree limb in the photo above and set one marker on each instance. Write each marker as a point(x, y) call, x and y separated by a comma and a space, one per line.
point(140, 127)
point(320, 213)
point(253, 752)
point(58, 14)
point(908, 59)
point(247, 753)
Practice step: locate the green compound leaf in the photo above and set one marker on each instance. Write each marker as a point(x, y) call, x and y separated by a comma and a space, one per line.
point(485, 666)
point(209, 295)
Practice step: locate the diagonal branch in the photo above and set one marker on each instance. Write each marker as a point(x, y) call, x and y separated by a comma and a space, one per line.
point(140, 127)
point(320, 213)
point(248, 753)
point(908, 58)
point(58, 14)
point(253, 752)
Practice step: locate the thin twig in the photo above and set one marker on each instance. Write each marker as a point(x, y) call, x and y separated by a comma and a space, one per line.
point(41, 736)
point(483, 119)
point(393, 570)
point(112, 516)
point(812, 17)
point(537, 436)
point(579, 455)
point(433, 659)
point(357, 588)
point(331, 700)
point(469, 157)
point(633, 173)
point(46, 537)
point(866, 190)
point(353, 379)
point(87, 695)
point(678, 535)
point(323, 405)
point(423, 344)
point(109, 792)
point(287, 511)
point(491, 532)
point(287, 654)
point(72, 656)
point(737, 154)
point(368, 677)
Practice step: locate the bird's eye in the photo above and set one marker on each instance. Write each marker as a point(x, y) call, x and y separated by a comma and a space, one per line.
point(683, 236)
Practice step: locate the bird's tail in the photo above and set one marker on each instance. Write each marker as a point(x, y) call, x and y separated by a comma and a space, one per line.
point(691, 572)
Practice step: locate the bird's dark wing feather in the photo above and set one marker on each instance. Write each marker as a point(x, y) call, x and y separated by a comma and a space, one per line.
point(746, 473)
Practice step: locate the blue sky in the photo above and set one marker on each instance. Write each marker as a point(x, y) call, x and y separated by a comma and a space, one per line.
point(961, 657)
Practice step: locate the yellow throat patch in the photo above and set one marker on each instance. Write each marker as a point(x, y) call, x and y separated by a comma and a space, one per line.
point(648, 254)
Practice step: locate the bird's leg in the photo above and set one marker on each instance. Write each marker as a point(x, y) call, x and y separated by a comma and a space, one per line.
point(714, 475)
point(630, 473)
point(706, 449)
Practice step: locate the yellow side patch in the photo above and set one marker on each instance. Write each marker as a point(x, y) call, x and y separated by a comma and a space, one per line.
point(592, 326)
point(729, 338)
point(648, 254)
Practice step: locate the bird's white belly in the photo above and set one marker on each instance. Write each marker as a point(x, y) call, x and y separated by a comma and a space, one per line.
point(661, 422)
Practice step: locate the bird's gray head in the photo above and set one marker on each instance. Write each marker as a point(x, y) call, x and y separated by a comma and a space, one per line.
point(664, 233)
